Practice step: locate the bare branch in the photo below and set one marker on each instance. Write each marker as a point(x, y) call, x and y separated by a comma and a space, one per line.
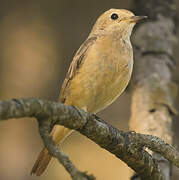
point(61, 156)
point(155, 144)
point(26, 110)
point(117, 142)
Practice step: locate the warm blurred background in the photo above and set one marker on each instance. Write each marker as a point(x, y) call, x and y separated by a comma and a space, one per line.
point(37, 42)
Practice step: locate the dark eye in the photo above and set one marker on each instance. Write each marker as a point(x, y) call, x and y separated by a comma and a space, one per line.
point(114, 16)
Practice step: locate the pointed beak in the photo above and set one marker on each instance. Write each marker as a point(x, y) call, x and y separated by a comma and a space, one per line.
point(136, 18)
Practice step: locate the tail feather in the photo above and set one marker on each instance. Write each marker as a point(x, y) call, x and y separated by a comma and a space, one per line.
point(59, 133)
point(41, 163)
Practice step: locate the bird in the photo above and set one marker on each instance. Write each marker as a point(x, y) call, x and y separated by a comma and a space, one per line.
point(99, 72)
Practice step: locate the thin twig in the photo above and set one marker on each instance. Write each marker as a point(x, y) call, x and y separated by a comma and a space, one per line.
point(57, 153)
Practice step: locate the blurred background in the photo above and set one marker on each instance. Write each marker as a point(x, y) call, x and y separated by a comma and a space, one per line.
point(38, 40)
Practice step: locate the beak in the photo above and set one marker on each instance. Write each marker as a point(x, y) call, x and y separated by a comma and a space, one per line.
point(136, 18)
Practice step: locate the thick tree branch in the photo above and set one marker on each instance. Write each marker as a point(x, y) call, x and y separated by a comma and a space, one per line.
point(32, 108)
point(154, 91)
point(126, 146)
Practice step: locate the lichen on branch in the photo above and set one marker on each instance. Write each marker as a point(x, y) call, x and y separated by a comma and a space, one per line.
point(129, 146)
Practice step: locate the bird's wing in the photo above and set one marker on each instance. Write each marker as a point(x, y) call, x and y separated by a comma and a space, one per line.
point(76, 64)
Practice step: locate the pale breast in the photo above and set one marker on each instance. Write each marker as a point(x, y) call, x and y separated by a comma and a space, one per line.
point(103, 76)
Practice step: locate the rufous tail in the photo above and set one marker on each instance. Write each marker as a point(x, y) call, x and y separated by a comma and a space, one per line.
point(58, 134)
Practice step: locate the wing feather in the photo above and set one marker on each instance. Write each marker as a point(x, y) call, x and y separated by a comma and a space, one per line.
point(75, 65)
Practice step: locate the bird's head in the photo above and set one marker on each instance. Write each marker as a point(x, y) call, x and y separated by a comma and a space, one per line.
point(118, 21)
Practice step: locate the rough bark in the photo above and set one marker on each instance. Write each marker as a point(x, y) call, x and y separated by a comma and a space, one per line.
point(153, 90)
point(129, 147)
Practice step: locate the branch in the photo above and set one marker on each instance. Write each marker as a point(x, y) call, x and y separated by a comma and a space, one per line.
point(129, 147)
point(157, 145)
point(61, 156)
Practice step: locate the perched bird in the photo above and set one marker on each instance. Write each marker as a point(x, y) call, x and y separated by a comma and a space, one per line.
point(99, 72)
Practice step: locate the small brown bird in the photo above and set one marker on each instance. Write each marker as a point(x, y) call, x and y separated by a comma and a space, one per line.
point(99, 72)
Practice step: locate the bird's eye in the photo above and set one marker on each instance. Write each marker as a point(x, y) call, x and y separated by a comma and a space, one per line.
point(114, 16)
